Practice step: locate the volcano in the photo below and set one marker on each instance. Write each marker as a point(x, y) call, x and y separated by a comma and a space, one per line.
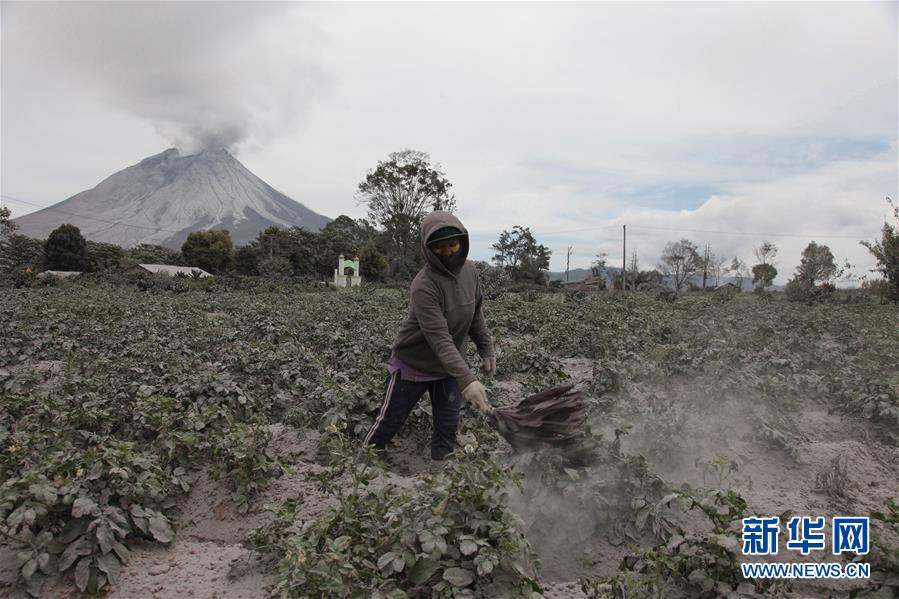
point(161, 199)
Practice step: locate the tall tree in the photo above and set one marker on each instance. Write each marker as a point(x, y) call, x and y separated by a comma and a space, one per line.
point(399, 192)
point(505, 256)
point(598, 268)
point(519, 253)
point(816, 266)
point(66, 249)
point(680, 260)
point(764, 272)
point(766, 252)
point(886, 251)
point(209, 250)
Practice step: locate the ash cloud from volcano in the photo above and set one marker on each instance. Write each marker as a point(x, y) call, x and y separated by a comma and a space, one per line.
point(205, 75)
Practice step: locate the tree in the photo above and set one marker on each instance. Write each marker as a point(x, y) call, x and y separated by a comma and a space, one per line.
point(66, 249)
point(7, 227)
point(148, 253)
point(104, 256)
point(816, 266)
point(209, 250)
point(505, 256)
point(717, 267)
point(813, 279)
point(633, 270)
point(763, 274)
point(342, 236)
point(737, 269)
point(272, 242)
point(598, 268)
point(399, 192)
point(886, 251)
point(765, 253)
point(246, 261)
point(680, 261)
point(519, 253)
point(305, 257)
point(372, 263)
point(350, 235)
point(20, 254)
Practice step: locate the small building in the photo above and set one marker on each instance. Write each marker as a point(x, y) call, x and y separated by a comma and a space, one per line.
point(167, 269)
point(347, 273)
point(58, 273)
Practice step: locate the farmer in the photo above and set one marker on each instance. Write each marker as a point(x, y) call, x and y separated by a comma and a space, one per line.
point(445, 310)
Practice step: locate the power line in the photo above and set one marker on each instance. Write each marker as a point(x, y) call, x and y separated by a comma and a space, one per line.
point(101, 220)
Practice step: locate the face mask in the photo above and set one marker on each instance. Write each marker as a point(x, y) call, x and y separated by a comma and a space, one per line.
point(452, 263)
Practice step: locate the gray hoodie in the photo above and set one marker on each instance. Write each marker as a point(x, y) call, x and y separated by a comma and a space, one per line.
point(445, 309)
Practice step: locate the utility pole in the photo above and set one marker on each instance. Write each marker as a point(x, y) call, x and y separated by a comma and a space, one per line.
point(567, 263)
point(624, 258)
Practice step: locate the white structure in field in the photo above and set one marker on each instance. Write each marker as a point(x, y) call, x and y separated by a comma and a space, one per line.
point(347, 273)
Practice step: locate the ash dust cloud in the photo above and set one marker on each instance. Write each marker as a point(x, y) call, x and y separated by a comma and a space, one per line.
point(693, 434)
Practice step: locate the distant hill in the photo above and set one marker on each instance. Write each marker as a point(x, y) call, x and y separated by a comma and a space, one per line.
point(164, 197)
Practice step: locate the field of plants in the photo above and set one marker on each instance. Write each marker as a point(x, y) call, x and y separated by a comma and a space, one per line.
point(180, 438)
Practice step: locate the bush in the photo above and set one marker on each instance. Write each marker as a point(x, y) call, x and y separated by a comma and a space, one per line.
point(493, 280)
point(799, 290)
point(454, 537)
point(667, 295)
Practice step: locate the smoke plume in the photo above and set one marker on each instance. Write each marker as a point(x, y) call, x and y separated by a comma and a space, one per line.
point(204, 74)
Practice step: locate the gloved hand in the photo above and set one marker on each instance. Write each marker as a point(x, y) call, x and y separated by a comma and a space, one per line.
point(488, 364)
point(475, 394)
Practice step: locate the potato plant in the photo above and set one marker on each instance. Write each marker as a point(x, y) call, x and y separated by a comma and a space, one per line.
point(454, 537)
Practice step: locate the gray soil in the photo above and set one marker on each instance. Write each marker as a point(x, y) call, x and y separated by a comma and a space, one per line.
point(211, 557)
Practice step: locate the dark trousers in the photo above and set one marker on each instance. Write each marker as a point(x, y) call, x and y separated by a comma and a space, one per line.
point(400, 398)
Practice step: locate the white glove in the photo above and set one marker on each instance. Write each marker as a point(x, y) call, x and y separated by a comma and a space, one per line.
point(475, 394)
point(488, 364)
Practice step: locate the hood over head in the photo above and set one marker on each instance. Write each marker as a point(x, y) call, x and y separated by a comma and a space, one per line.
point(432, 223)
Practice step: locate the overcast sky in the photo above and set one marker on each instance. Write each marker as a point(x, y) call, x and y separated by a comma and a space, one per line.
point(727, 123)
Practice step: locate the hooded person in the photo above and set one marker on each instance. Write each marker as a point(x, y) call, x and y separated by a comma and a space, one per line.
point(427, 355)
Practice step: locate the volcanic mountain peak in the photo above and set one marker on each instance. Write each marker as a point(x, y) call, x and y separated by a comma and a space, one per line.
point(164, 197)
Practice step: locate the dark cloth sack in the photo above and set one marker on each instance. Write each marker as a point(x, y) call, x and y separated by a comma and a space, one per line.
point(553, 418)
